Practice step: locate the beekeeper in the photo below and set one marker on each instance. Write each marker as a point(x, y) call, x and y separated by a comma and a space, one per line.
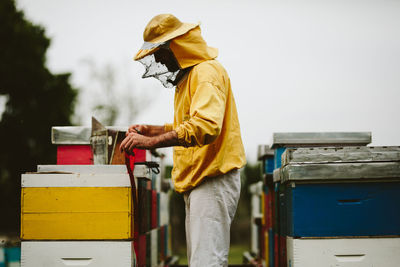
point(205, 134)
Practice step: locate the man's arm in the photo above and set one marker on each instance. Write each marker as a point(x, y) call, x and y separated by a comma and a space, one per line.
point(135, 140)
point(147, 130)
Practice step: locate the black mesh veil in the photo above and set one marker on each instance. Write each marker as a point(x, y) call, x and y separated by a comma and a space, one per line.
point(159, 67)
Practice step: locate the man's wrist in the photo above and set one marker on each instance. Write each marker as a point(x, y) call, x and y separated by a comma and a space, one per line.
point(154, 142)
point(164, 140)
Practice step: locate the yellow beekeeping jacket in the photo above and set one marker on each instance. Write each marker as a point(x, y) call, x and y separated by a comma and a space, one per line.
point(205, 116)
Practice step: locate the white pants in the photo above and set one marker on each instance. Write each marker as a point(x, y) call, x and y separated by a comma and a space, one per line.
point(210, 209)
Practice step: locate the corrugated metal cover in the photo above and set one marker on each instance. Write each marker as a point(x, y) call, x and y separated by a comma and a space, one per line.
point(321, 139)
point(341, 154)
point(76, 135)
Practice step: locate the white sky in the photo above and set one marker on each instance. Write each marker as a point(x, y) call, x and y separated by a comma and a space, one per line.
point(323, 65)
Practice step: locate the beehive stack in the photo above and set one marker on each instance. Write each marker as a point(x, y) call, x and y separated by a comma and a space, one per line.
point(11, 257)
point(340, 206)
point(256, 191)
point(266, 156)
point(80, 215)
point(2, 256)
point(281, 141)
point(153, 246)
point(84, 215)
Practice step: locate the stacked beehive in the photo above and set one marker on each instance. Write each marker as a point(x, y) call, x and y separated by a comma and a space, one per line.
point(2, 256)
point(10, 256)
point(273, 215)
point(153, 246)
point(261, 209)
point(84, 215)
point(339, 206)
point(256, 228)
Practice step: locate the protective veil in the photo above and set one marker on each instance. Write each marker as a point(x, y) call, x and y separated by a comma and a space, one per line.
point(184, 43)
point(158, 69)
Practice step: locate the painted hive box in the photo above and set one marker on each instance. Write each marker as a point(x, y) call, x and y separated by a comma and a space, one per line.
point(76, 206)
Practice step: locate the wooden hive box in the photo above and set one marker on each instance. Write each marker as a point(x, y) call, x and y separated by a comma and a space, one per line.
point(88, 203)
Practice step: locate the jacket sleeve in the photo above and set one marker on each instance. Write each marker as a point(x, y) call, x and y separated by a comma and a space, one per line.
point(207, 110)
point(168, 127)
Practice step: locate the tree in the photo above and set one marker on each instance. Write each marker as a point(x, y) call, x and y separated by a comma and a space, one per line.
point(110, 94)
point(36, 100)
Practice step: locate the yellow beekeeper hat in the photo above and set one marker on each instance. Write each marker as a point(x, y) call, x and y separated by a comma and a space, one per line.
point(161, 29)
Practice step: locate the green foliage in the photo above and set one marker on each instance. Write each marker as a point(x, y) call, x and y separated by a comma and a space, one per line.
point(251, 174)
point(36, 100)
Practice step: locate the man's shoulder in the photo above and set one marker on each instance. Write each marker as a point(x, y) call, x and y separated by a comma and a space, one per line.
point(211, 64)
point(209, 70)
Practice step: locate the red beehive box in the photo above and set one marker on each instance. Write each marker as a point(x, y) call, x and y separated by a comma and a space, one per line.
point(74, 148)
point(73, 145)
point(74, 155)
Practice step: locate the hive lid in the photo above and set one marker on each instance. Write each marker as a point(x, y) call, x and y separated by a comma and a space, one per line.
point(82, 176)
point(320, 139)
point(341, 154)
point(76, 135)
point(264, 151)
point(74, 180)
point(83, 168)
point(140, 171)
point(341, 171)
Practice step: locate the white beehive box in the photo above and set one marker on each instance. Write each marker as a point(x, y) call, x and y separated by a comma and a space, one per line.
point(343, 252)
point(154, 247)
point(81, 253)
point(164, 208)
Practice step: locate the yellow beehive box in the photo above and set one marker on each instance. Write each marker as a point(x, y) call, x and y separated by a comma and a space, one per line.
point(76, 206)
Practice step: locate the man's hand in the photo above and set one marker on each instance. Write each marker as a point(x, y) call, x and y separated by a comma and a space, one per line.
point(135, 140)
point(148, 137)
point(139, 128)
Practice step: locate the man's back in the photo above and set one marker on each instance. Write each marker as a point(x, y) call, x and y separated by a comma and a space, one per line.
point(206, 121)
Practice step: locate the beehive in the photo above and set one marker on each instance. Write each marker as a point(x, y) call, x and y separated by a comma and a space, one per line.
point(87, 205)
point(343, 252)
point(78, 253)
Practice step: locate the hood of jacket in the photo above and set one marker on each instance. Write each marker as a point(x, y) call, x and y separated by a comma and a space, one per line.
point(190, 49)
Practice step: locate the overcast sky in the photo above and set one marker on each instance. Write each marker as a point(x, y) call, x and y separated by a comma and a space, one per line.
point(295, 65)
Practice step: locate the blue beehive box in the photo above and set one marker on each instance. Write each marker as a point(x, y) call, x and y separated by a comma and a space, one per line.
point(266, 155)
point(349, 191)
point(12, 255)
